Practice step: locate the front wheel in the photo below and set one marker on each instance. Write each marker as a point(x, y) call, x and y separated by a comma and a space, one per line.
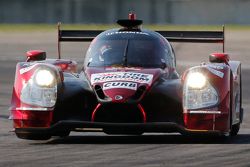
point(235, 129)
point(238, 102)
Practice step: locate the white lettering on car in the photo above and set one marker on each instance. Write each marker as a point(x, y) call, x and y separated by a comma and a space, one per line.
point(216, 72)
point(122, 76)
point(122, 85)
point(217, 67)
point(126, 32)
point(26, 69)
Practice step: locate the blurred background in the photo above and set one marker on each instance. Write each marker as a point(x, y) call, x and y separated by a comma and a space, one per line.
point(32, 24)
point(108, 11)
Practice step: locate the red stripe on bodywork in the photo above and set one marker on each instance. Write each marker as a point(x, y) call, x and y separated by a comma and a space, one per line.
point(143, 113)
point(94, 112)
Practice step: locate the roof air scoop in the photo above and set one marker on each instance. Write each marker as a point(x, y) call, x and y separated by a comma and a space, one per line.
point(131, 23)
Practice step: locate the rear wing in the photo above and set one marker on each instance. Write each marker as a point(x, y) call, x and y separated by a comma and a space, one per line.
point(171, 36)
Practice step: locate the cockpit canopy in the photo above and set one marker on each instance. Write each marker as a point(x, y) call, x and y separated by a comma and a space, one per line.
point(115, 48)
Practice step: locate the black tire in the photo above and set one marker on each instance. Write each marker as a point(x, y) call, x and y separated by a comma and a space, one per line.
point(32, 136)
point(241, 110)
point(235, 129)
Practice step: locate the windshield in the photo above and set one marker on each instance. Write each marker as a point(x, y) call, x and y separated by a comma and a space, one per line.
point(128, 52)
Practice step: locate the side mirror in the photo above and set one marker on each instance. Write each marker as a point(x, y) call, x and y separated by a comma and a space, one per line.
point(163, 65)
point(35, 55)
point(219, 58)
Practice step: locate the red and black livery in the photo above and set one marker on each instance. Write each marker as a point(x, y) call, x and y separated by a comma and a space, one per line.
point(128, 85)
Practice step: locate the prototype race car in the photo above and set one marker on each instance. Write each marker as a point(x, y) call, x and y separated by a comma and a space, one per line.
point(128, 85)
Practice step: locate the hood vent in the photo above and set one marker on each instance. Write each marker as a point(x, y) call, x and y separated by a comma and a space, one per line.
point(99, 92)
point(139, 92)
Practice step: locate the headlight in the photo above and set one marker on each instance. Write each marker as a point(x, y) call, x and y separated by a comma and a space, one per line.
point(196, 80)
point(41, 89)
point(198, 92)
point(44, 78)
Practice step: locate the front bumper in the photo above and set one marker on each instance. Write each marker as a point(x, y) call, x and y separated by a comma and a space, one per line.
point(155, 127)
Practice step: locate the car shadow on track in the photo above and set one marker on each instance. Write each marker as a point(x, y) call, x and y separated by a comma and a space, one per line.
point(150, 139)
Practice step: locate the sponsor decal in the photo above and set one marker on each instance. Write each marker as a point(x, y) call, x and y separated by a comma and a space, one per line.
point(216, 72)
point(121, 68)
point(217, 67)
point(123, 85)
point(118, 97)
point(26, 69)
point(126, 32)
point(122, 76)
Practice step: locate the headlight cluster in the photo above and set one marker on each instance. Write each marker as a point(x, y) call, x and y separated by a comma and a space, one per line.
point(196, 80)
point(198, 92)
point(44, 78)
point(41, 89)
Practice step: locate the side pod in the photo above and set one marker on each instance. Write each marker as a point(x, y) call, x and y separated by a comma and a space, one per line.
point(206, 98)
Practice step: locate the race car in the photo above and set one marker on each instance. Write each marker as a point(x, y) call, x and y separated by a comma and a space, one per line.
point(128, 85)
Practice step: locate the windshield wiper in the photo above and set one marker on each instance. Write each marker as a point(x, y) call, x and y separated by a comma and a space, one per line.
point(125, 56)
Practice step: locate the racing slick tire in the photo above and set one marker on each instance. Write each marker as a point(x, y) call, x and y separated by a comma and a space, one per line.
point(236, 127)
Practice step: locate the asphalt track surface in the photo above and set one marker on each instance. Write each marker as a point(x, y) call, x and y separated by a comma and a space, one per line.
point(99, 149)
